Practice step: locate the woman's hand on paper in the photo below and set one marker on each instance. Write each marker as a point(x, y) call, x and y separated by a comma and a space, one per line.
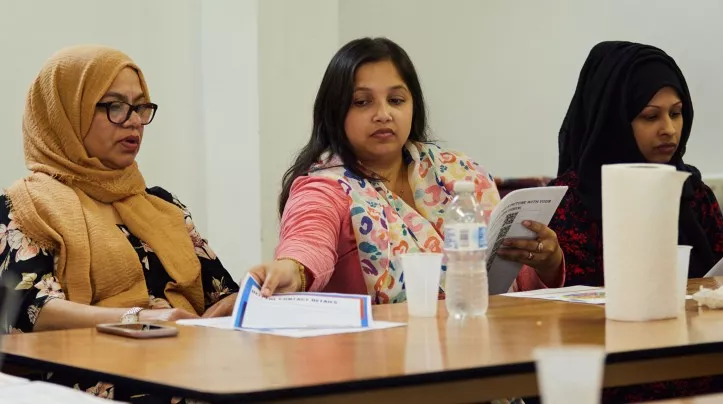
point(280, 276)
point(221, 308)
point(544, 253)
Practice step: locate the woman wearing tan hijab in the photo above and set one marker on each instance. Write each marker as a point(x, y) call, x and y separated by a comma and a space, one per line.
point(82, 241)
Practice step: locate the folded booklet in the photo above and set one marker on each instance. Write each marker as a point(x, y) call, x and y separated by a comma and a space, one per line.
point(535, 204)
point(299, 310)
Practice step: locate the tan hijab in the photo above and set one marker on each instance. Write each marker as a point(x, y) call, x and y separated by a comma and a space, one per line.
point(54, 206)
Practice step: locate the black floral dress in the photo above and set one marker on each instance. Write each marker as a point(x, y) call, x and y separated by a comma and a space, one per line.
point(580, 238)
point(29, 271)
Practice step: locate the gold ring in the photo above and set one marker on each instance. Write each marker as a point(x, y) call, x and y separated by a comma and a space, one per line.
point(530, 255)
point(540, 247)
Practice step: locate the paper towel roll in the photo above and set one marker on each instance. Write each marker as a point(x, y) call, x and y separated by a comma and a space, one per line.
point(640, 204)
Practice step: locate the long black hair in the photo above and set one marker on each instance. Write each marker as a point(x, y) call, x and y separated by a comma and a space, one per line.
point(334, 99)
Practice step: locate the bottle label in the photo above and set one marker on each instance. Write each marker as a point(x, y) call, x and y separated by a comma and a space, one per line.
point(465, 237)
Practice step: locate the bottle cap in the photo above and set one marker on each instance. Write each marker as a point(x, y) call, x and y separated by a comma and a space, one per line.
point(463, 186)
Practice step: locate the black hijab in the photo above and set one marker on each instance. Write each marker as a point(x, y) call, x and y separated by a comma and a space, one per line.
point(616, 82)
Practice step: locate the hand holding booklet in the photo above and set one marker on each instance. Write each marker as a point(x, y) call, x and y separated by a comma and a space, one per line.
point(534, 204)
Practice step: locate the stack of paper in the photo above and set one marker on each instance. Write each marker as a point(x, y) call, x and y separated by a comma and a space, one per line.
point(572, 294)
point(296, 314)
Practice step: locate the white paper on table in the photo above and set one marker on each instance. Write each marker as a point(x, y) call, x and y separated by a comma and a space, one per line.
point(535, 204)
point(6, 380)
point(717, 270)
point(226, 323)
point(545, 293)
point(41, 392)
point(572, 294)
point(299, 310)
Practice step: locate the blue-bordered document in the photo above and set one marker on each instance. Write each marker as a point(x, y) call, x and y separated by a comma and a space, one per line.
point(299, 310)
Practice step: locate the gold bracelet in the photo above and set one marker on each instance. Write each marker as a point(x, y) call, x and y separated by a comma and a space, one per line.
point(300, 267)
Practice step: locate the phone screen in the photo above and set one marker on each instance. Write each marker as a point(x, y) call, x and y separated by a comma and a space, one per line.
point(138, 327)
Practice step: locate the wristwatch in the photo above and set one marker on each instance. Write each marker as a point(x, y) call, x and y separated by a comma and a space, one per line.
point(131, 316)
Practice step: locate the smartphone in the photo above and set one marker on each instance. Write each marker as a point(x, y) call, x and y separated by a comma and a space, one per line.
point(138, 330)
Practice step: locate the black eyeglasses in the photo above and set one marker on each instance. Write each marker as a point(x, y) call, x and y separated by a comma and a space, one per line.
point(119, 112)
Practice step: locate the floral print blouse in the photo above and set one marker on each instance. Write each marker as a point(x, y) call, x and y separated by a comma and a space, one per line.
point(29, 271)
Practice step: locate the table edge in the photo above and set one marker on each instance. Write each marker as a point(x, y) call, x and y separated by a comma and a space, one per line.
point(441, 376)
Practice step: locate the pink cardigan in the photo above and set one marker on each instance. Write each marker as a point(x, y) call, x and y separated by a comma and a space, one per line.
point(316, 230)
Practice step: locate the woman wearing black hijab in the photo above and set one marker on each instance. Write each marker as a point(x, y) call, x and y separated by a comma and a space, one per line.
point(631, 105)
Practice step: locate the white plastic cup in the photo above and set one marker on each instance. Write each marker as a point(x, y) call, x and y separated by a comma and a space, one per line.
point(570, 374)
point(421, 281)
point(683, 264)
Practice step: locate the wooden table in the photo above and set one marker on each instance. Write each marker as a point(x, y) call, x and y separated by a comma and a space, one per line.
point(432, 359)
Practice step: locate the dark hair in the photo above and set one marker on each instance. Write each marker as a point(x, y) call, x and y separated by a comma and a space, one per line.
point(334, 99)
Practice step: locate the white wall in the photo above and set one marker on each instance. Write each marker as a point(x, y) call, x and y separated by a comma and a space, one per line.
point(28, 37)
point(200, 61)
point(297, 40)
point(498, 75)
point(230, 70)
point(236, 81)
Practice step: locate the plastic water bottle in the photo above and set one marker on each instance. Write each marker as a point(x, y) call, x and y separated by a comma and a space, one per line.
point(465, 248)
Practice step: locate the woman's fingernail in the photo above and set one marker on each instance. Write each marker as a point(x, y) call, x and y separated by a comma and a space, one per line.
point(526, 223)
point(507, 242)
